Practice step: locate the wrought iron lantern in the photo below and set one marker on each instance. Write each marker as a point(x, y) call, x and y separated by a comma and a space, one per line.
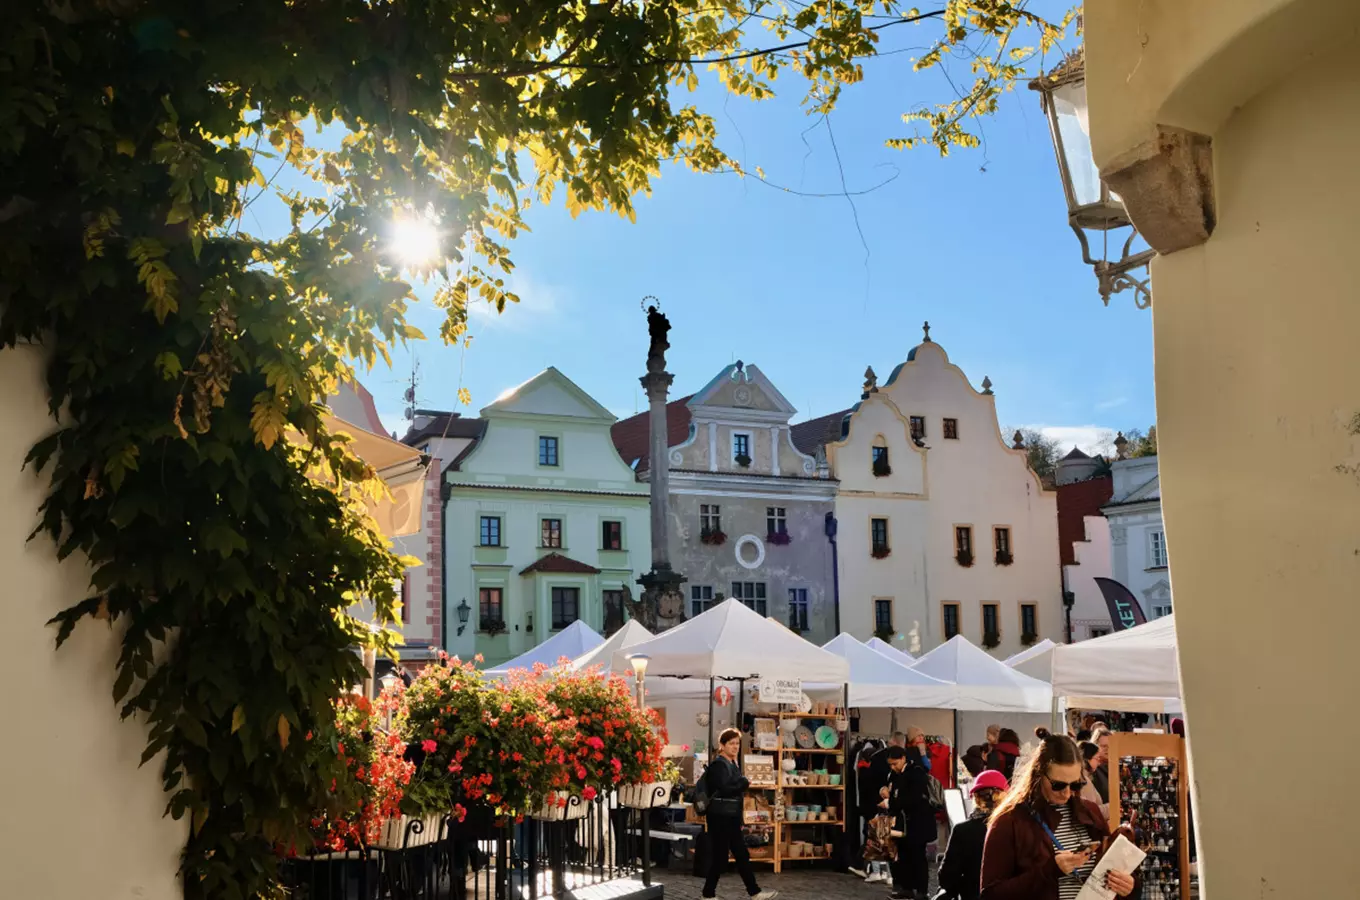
point(1095, 214)
point(464, 611)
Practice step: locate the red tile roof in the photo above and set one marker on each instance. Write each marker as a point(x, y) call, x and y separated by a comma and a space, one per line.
point(559, 564)
point(814, 434)
point(632, 436)
point(1075, 502)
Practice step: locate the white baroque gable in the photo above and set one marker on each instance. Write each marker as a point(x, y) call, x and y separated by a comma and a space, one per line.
point(549, 393)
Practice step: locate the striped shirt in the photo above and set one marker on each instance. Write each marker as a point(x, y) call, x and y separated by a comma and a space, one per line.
point(1073, 836)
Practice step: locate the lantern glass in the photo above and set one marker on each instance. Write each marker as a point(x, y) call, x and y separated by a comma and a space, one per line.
point(1072, 127)
point(463, 612)
point(639, 661)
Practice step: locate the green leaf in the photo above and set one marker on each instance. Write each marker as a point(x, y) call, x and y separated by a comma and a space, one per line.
point(223, 540)
point(238, 718)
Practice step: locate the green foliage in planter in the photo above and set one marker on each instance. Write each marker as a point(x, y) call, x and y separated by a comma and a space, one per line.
point(1029, 638)
point(991, 640)
point(183, 348)
point(880, 552)
point(964, 558)
point(1004, 558)
point(883, 633)
point(742, 460)
point(611, 742)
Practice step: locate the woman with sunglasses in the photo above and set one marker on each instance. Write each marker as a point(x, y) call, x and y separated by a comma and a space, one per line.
point(1044, 839)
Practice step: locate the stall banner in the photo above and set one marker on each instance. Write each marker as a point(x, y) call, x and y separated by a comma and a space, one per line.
point(1125, 612)
point(781, 690)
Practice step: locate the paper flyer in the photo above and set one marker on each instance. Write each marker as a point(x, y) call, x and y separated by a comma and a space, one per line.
point(1123, 856)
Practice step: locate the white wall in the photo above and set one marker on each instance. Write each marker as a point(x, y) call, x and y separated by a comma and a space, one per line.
point(81, 819)
point(974, 480)
point(1089, 609)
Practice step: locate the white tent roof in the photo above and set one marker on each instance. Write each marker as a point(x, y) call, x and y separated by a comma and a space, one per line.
point(890, 651)
point(631, 633)
point(571, 642)
point(1140, 662)
point(731, 641)
point(877, 681)
point(982, 682)
point(1036, 662)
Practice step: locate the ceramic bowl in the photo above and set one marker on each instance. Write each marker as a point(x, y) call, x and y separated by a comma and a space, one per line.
point(835, 780)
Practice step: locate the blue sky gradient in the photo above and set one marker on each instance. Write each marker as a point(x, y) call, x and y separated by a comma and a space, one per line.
point(813, 289)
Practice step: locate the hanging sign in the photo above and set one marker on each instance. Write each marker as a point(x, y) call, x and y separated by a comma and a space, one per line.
point(781, 690)
point(722, 696)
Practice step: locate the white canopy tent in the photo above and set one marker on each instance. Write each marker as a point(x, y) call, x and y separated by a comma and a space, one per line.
point(1136, 670)
point(888, 650)
point(571, 642)
point(878, 681)
point(1036, 662)
point(982, 682)
point(731, 641)
point(630, 634)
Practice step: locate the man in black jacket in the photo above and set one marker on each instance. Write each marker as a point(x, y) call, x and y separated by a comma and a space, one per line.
point(869, 787)
point(907, 798)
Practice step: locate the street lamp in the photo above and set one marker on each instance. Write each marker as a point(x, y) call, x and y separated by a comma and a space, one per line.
point(1091, 206)
point(639, 661)
point(463, 612)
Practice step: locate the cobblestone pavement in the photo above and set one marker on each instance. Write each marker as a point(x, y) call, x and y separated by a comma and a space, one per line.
point(794, 883)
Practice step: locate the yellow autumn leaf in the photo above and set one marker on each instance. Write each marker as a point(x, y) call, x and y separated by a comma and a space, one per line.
point(267, 418)
point(284, 728)
point(238, 718)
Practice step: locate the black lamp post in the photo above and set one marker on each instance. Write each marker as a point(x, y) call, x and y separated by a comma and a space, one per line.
point(463, 612)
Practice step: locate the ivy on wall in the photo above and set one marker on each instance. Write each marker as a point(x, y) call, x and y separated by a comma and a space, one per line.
point(188, 356)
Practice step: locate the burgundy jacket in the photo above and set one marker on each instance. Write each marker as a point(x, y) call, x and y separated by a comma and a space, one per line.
point(1017, 859)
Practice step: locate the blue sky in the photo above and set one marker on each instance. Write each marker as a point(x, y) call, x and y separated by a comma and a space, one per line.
point(977, 243)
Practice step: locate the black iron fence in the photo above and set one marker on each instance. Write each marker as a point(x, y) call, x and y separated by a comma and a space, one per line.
point(483, 859)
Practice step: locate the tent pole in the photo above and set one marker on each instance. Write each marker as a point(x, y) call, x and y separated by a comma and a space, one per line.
point(954, 752)
point(712, 752)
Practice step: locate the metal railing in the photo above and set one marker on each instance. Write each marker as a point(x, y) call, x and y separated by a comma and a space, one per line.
point(483, 860)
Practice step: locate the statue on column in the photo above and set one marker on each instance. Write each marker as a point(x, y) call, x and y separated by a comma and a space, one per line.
point(657, 326)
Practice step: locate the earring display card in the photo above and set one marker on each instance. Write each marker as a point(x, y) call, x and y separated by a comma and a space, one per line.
point(1149, 797)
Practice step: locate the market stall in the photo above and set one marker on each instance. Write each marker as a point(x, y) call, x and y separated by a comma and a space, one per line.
point(888, 650)
point(1135, 670)
point(876, 680)
point(1036, 661)
point(794, 808)
point(632, 633)
point(571, 642)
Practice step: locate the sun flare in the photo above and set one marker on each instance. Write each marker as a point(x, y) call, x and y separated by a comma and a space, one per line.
point(415, 240)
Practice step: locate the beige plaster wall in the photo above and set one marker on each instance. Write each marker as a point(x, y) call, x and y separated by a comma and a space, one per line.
point(81, 819)
point(1255, 337)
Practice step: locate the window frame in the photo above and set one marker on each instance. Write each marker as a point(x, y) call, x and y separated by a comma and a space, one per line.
point(1033, 608)
point(484, 610)
point(558, 624)
point(881, 603)
point(556, 451)
point(710, 517)
point(949, 427)
point(758, 602)
point(995, 609)
point(776, 520)
point(966, 533)
point(748, 439)
point(798, 608)
point(482, 530)
point(543, 533)
point(1156, 543)
point(605, 536)
point(604, 606)
point(700, 593)
point(406, 598)
point(874, 544)
point(916, 426)
point(946, 607)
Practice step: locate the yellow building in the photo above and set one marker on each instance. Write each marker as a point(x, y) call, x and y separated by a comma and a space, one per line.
point(1230, 129)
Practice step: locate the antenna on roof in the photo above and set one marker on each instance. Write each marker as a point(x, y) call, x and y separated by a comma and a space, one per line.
point(409, 395)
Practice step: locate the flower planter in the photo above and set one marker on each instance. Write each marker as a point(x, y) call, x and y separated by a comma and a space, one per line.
point(562, 807)
point(645, 796)
point(405, 832)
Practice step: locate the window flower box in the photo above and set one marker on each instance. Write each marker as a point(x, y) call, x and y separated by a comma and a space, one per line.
point(964, 558)
point(714, 537)
point(881, 468)
point(1004, 558)
point(493, 627)
point(742, 460)
point(880, 552)
point(884, 633)
point(1029, 639)
point(404, 832)
point(562, 806)
point(778, 538)
point(650, 795)
point(991, 640)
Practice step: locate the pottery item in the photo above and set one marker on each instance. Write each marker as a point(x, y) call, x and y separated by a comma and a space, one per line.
point(804, 737)
point(827, 737)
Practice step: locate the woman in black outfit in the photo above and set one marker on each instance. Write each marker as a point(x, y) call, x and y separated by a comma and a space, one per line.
point(961, 870)
point(908, 801)
point(726, 787)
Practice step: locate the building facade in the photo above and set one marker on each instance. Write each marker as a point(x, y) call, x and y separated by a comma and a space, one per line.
point(943, 529)
point(543, 523)
point(748, 509)
point(1084, 488)
point(1137, 536)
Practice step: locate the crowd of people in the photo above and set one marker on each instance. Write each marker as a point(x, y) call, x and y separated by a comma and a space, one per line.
point(1037, 830)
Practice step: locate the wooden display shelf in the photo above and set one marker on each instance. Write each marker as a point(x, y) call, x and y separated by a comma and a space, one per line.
point(811, 750)
point(810, 787)
point(837, 822)
point(1154, 746)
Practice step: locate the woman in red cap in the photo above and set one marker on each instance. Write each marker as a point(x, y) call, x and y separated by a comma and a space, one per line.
point(961, 871)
